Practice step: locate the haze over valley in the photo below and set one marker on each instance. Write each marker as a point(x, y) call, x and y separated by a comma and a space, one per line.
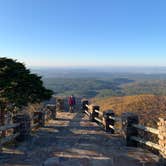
point(105, 82)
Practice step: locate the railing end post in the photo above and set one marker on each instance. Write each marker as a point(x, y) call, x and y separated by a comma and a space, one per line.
point(128, 119)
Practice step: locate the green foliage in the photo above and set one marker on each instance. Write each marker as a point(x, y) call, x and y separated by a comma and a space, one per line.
point(18, 86)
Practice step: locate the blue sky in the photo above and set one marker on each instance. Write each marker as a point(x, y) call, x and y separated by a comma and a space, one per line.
point(84, 32)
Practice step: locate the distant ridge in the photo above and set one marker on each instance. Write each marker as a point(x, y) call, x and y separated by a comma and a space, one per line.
point(101, 72)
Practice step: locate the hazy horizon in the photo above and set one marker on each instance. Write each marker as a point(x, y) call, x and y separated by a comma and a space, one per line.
point(98, 71)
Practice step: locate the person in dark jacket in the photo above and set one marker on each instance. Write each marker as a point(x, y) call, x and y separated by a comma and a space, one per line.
point(72, 103)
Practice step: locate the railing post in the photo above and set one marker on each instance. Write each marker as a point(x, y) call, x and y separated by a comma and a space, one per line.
point(46, 114)
point(162, 136)
point(93, 114)
point(60, 104)
point(41, 119)
point(53, 112)
point(25, 126)
point(84, 103)
point(107, 121)
point(36, 120)
point(128, 119)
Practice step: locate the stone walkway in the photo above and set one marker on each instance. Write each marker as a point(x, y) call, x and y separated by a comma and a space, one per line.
point(72, 140)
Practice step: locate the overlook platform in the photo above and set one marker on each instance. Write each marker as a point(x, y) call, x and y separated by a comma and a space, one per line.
point(72, 140)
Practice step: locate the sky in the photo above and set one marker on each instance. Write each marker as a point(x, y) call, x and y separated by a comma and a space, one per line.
point(55, 33)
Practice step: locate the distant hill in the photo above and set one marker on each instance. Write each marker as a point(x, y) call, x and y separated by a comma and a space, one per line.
point(86, 87)
point(106, 86)
point(148, 107)
point(156, 87)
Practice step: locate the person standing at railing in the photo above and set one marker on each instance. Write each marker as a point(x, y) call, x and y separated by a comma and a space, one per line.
point(72, 103)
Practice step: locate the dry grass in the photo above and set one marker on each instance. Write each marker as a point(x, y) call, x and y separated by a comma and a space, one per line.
point(148, 107)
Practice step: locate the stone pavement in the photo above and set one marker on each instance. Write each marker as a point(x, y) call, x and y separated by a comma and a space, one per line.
point(72, 140)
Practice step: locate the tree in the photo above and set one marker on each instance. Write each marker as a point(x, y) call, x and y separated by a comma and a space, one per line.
point(18, 86)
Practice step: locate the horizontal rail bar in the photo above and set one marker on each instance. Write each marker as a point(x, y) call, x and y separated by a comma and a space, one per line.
point(87, 106)
point(8, 138)
point(35, 117)
point(87, 112)
point(112, 117)
point(51, 105)
point(9, 126)
point(115, 118)
point(148, 129)
point(99, 120)
point(35, 125)
point(112, 127)
point(148, 143)
point(99, 112)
